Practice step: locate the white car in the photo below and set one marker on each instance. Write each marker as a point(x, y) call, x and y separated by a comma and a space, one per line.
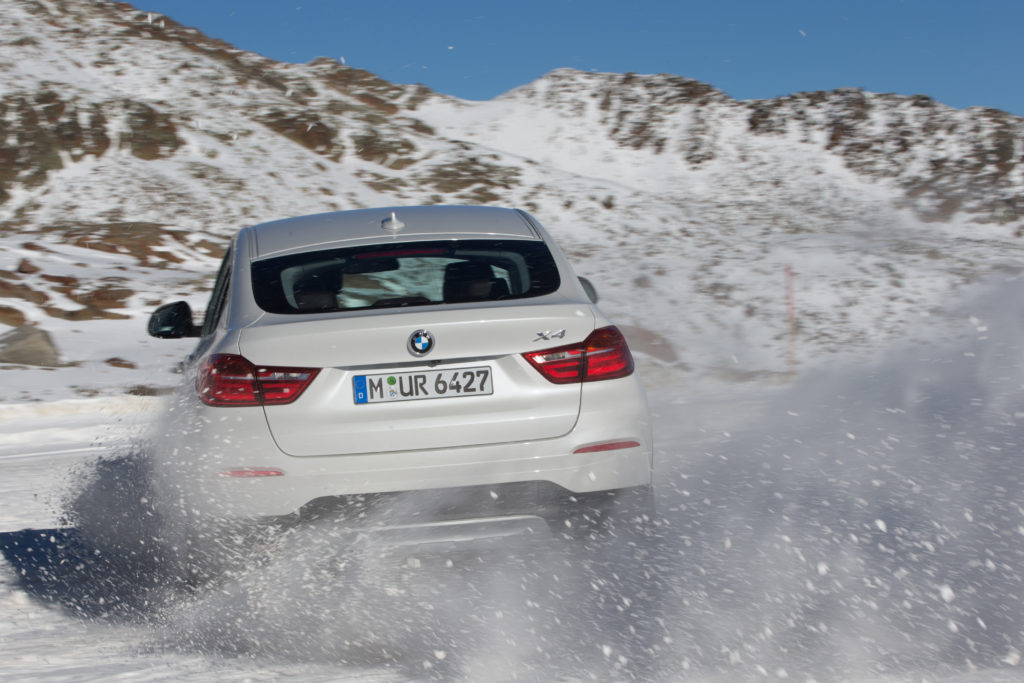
point(345, 358)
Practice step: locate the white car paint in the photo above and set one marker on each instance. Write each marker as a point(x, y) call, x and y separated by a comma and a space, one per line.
point(271, 460)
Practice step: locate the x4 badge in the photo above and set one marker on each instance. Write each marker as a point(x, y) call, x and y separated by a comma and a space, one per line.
point(548, 335)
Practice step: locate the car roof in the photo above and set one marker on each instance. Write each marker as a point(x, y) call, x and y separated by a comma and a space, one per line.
point(387, 224)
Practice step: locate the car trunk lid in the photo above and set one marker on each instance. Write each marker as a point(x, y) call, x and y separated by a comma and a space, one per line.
point(486, 342)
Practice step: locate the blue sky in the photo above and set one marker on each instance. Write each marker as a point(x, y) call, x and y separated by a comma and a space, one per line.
point(961, 52)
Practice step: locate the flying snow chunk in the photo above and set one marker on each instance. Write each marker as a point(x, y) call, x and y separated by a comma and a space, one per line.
point(880, 523)
point(947, 593)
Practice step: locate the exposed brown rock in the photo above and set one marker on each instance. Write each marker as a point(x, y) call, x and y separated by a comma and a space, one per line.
point(35, 130)
point(19, 290)
point(67, 282)
point(305, 128)
point(152, 134)
point(26, 267)
point(105, 297)
point(383, 150)
point(11, 316)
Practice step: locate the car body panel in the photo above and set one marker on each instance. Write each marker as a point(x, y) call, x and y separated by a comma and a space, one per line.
point(224, 440)
point(322, 231)
point(326, 419)
point(324, 444)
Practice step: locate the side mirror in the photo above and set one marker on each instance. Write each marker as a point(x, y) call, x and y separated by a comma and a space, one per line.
point(589, 288)
point(172, 321)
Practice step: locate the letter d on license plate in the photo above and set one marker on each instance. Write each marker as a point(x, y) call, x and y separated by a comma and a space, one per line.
point(413, 386)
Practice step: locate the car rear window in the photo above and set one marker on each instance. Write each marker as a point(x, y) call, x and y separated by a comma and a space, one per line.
point(405, 274)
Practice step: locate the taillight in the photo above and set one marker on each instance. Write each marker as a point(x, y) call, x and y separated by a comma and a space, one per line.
point(602, 355)
point(283, 385)
point(227, 379)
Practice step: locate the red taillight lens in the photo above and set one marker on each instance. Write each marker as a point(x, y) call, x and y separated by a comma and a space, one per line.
point(561, 366)
point(602, 355)
point(284, 385)
point(608, 355)
point(227, 379)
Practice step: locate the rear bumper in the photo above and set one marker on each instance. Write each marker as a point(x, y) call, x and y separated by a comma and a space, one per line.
point(206, 491)
point(189, 472)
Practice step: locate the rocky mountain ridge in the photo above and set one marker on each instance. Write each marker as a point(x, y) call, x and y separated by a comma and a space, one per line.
point(130, 146)
point(944, 160)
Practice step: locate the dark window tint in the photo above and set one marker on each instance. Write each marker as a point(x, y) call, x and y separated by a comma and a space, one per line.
point(219, 295)
point(408, 274)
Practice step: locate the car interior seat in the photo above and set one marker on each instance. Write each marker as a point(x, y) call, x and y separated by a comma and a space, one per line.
point(317, 290)
point(471, 281)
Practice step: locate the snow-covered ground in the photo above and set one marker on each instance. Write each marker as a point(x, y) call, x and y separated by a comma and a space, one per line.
point(860, 523)
point(834, 504)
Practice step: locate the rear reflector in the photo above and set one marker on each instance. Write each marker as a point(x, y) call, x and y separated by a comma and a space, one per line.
point(610, 446)
point(602, 355)
point(227, 379)
point(251, 472)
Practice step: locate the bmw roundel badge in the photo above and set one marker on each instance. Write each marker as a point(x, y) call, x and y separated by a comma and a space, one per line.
point(421, 342)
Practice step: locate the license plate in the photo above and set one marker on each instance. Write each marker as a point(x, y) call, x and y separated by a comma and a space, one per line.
point(413, 386)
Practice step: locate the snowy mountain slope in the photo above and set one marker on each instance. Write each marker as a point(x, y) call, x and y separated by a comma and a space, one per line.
point(130, 146)
point(943, 160)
